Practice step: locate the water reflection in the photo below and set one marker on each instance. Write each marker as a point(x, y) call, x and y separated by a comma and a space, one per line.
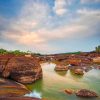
point(61, 73)
point(75, 75)
point(55, 81)
point(36, 89)
point(35, 94)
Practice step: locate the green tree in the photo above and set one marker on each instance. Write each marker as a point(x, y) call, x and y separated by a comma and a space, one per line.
point(97, 49)
point(3, 51)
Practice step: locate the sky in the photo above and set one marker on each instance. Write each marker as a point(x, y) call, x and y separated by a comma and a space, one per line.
point(50, 26)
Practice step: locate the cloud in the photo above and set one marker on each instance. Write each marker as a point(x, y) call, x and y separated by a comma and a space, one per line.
point(32, 27)
point(85, 11)
point(90, 1)
point(60, 7)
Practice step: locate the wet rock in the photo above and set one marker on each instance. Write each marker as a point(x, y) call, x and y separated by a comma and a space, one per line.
point(18, 98)
point(98, 67)
point(74, 62)
point(61, 68)
point(96, 60)
point(10, 88)
point(69, 91)
point(78, 71)
point(21, 69)
point(86, 93)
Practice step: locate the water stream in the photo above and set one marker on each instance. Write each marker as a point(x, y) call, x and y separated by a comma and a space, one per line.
point(53, 84)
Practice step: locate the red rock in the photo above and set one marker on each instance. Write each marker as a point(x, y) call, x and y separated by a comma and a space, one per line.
point(20, 68)
point(78, 71)
point(18, 98)
point(61, 68)
point(86, 93)
point(69, 91)
point(10, 88)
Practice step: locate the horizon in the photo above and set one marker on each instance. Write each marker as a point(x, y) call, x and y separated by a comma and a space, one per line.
point(50, 26)
point(50, 53)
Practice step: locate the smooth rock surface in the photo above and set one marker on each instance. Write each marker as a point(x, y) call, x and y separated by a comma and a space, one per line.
point(61, 68)
point(10, 88)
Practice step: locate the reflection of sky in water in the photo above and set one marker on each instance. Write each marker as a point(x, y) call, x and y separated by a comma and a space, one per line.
point(94, 74)
point(34, 94)
point(54, 83)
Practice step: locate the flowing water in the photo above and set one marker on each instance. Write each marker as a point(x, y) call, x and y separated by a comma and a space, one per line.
point(53, 84)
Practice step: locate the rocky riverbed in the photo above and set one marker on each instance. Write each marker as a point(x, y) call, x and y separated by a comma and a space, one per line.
point(27, 69)
point(11, 90)
point(20, 69)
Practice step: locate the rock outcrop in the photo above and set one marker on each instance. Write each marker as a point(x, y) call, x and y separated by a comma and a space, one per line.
point(21, 69)
point(10, 88)
point(61, 68)
point(86, 93)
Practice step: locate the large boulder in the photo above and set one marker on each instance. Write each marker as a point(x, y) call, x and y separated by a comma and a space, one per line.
point(21, 69)
point(86, 93)
point(10, 88)
point(61, 68)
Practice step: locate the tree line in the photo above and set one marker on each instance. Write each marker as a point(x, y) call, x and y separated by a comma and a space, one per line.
point(16, 52)
point(97, 49)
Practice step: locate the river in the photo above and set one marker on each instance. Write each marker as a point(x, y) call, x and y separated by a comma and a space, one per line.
point(53, 84)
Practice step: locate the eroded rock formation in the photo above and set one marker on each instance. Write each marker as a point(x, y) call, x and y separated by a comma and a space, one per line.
point(21, 69)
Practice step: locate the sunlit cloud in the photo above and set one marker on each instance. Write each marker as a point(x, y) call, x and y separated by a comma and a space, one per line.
point(36, 25)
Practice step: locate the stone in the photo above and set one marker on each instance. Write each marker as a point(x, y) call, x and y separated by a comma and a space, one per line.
point(10, 88)
point(86, 93)
point(21, 69)
point(61, 68)
point(78, 71)
point(18, 98)
point(69, 91)
point(96, 60)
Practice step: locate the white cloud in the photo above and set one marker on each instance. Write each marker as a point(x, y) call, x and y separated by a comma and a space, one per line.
point(90, 1)
point(85, 11)
point(32, 27)
point(60, 7)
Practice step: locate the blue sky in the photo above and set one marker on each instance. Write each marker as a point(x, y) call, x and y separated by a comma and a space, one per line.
point(50, 26)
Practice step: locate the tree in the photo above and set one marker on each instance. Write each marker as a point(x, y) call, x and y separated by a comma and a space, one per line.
point(97, 49)
point(3, 51)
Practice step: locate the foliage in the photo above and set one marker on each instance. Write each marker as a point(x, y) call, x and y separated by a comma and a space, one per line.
point(97, 49)
point(15, 52)
point(3, 51)
point(79, 52)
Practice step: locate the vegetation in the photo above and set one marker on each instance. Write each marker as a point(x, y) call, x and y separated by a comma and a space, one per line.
point(79, 52)
point(3, 51)
point(16, 52)
point(97, 49)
